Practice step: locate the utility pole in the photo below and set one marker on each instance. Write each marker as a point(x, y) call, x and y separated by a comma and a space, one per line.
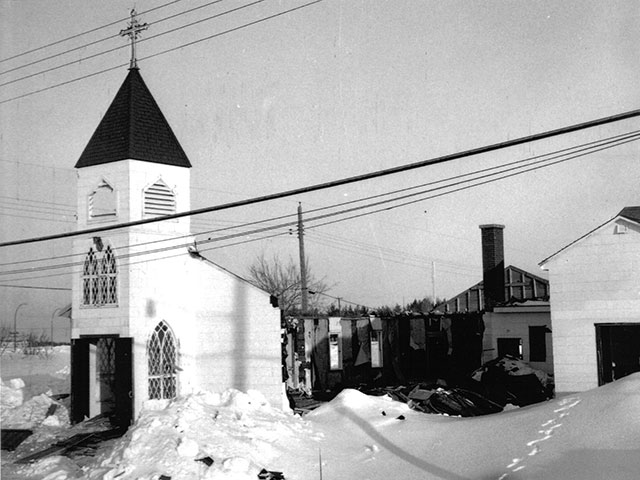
point(303, 267)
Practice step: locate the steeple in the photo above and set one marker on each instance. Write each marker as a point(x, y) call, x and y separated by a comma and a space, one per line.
point(133, 128)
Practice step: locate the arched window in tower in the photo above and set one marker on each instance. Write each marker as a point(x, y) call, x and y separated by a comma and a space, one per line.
point(162, 355)
point(159, 200)
point(109, 278)
point(90, 278)
point(103, 202)
point(100, 278)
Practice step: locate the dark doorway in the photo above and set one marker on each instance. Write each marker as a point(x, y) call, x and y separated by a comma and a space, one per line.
point(618, 350)
point(101, 379)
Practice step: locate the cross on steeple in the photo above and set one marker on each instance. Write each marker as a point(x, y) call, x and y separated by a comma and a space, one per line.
point(132, 32)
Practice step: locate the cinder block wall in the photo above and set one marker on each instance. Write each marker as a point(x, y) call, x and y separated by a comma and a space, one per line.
point(597, 280)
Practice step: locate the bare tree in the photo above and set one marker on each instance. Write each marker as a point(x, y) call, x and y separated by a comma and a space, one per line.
point(282, 279)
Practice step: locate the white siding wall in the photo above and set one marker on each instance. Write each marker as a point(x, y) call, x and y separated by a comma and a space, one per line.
point(597, 280)
point(228, 334)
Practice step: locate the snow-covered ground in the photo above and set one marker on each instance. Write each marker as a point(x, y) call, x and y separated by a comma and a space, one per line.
point(590, 435)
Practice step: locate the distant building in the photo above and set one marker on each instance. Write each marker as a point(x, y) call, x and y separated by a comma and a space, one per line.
point(152, 318)
point(595, 308)
point(520, 329)
point(513, 303)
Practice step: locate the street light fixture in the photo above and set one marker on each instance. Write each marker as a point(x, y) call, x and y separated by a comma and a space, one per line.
point(15, 326)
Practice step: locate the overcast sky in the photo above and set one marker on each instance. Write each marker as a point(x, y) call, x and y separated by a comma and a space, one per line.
point(335, 89)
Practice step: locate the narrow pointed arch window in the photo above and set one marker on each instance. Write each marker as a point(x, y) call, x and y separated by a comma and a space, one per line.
point(162, 355)
point(109, 278)
point(100, 278)
point(159, 200)
point(90, 278)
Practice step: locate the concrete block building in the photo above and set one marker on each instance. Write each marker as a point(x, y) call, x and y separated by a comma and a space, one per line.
point(595, 307)
point(152, 317)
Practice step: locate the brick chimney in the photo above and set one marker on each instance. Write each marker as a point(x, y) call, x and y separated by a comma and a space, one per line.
point(492, 264)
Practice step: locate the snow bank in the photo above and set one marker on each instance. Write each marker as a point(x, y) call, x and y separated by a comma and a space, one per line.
point(594, 434)
point(240, 432)
point(48, 371)
point(40, 410)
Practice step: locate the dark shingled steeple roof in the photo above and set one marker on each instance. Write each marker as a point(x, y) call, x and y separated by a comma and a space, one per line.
point(631, 213)
point(133, 128)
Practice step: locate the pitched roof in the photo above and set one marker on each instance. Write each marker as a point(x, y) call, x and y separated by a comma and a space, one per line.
point(628, 213)
point(475, 302)
point(133, 128)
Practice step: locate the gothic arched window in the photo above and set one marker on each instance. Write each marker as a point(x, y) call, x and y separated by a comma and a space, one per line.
point(100, 278)
point(90, 278)
point(162, 355)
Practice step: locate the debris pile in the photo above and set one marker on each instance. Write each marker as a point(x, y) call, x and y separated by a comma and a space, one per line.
point(505, 380)
point(510, 380)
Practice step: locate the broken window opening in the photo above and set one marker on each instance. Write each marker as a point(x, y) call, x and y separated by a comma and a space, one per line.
point(510, 346)
point(103, 202)
point(335, 351)
point(537, 343)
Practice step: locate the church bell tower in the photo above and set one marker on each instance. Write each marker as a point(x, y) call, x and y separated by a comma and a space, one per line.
point(132, 169)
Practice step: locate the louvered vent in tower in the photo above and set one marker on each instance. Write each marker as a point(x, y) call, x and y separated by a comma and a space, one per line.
point(159, 200)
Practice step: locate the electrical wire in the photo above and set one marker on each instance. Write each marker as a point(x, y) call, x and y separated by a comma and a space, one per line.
point(188, 44)
point(375, 251)
point(119, 47)
point(37, 201)
point(57, 42)
point(342, 300)
point(74, 49)
point(34, 209)
point(343, 181)
point(603, 145)
point(464, 188)
point(36, 287)
point(328, 215)
point(48, 219)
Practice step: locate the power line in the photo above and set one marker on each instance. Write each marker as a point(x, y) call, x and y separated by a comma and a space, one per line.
point(33, 92)
point(44, 208)
point(343, 181)
point(551, 155)
point(265, 229)
point(289, 224)
point(85, 32)
point(410, 202)
point(341, 299)
point(37, 201)
point(376, 251)
point(47, 219)
point(106, 38)
point(36, 287)
point(119, 47)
